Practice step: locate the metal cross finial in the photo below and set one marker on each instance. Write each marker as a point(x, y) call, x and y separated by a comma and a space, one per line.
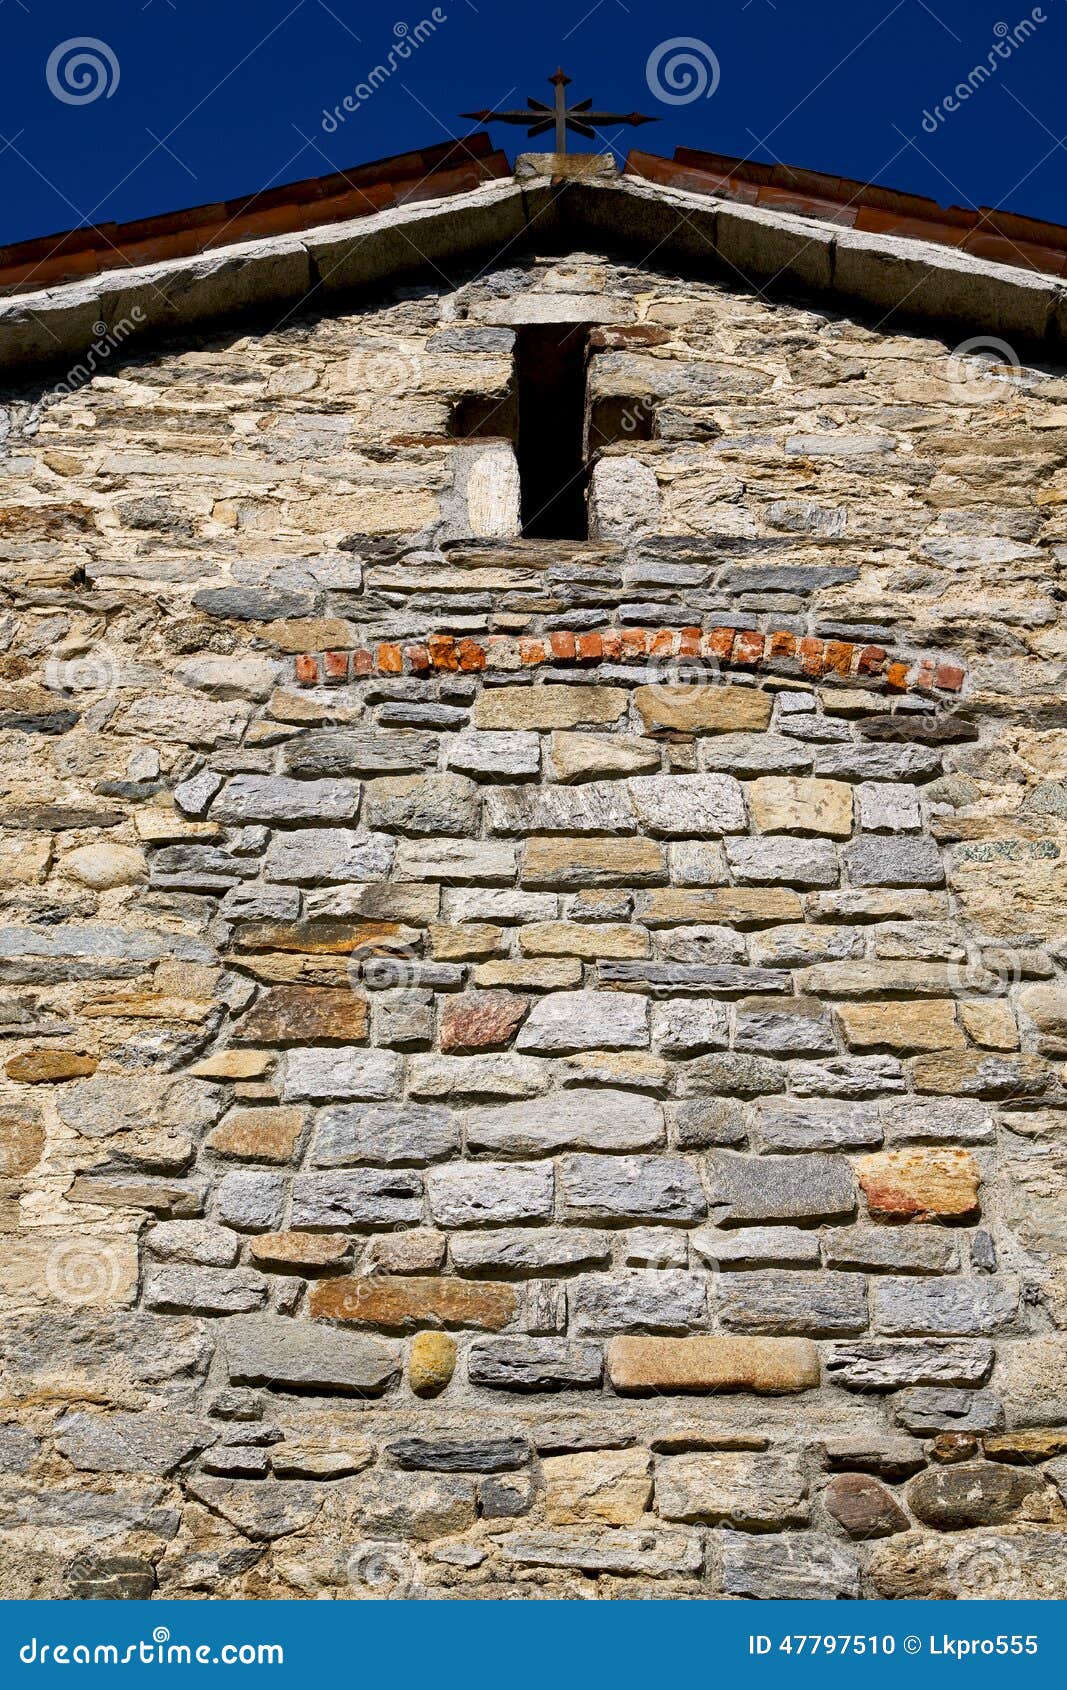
point(579, 118)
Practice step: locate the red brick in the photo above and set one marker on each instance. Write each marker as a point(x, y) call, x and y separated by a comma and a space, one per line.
point(390, 660)
point(562, 645)
point(661, 643)
point(689, 642)
point(612, 643)
point(307, 670)
point(531, 652)
point(418, 659)
point(870, 660)
point(923, 678)
point(362, 662)
point(748, 647)
point(335, 666)
point(781, 645)
point(634, 642)
point(720, 642)
point(590, 648)
point(810, 656)
point(948, 677)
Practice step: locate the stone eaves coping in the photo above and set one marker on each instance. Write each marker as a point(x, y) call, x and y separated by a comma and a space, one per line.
point(437, 240)
point(788, 655)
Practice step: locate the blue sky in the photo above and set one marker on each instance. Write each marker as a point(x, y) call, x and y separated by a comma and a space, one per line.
point(201, 100)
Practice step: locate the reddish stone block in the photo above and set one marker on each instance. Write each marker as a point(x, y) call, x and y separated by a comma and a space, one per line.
point(810, 656)
point(562, 645)
point(471, 654)
point(362, 662)
point(481, 1020)
point(307, 670)
point(870, 660)
point(748, 647)
point(443, 651)
point(839, 657)
point(390, 660)
point(948, 677)
point(590, 648)
point(531, 652)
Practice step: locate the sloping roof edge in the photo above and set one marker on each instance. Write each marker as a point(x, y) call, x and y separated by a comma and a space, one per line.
point(889, 275)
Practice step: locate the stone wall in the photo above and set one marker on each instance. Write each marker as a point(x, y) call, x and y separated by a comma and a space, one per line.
point(534, 1068)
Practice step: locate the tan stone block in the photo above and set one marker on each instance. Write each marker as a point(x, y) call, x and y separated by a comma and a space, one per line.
point(150, 1006)
point(1020, 893)
point(572, 863)
point(233, 1065)
point(554, 974)
point(635, 1069)
point(296, 1250)
point(24, 861)
point(300, 709)
point(736, 906)
point(990, 1023)
point(584, 939)
point(575, 756)
point(163, 825)
point(929, 1024)
point(304, 1015)
point(21, 1140)
point(981, 1073)
point(548, 706)
point(431, 1363)
point(418, 1250)
point(920, 1185)
point(604, 1486)
point(44, 1067)
point(465, 944)
point(703, 709)
point(77, 1271)
point(325, 938)
point(310, 633)
point(771, 1366)
point(1045, 1002)
point(102, 865)
point(403, 1302)
point(258, 1135)
point(794, 804)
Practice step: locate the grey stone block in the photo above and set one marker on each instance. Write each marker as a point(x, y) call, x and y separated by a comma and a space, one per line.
point(802, 1567)
point(875, 1365)
point(366, 1197)
point(700, 1122)
point(534, 1364)
point(529, 1250)
point(570, 1021)
point(272, 798)
point(310, 854)
point(754, 1492)
point(343, 1072)
point(251, 1200)
point(652, 1299)
point(488, 1193)
point(794, 1124)
point(204, 1290)
point(877, 861)
point(945, 1306)
point(779, 1188)
point(784, 1027)
point(571, 1120)
point(926, 1410)
point(631, 1188)
point(781, 861)
point(297, 1356)
point(781, 1301)
point(688, 806)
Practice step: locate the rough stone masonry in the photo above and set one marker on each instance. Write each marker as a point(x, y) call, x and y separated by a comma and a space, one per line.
point(534, 1068)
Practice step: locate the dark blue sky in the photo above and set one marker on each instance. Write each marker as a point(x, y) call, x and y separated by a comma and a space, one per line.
point(215, 98)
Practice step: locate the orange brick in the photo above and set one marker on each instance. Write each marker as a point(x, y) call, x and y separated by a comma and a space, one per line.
point(720, 642)
point(810, 656)
point(839, 657)
point(471, 654)
point(781, 645)
point(531, 651)
point(634, 642)
point(662, 643)
point(307, 670)
point(390, 660)
point(612, 645)
point(590, 647)
point(443, 651)
point(748, 647)
point(689, 642)
point(896, 677)
point(562, 645)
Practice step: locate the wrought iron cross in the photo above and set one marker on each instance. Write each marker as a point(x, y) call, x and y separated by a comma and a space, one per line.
point(580, 119)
